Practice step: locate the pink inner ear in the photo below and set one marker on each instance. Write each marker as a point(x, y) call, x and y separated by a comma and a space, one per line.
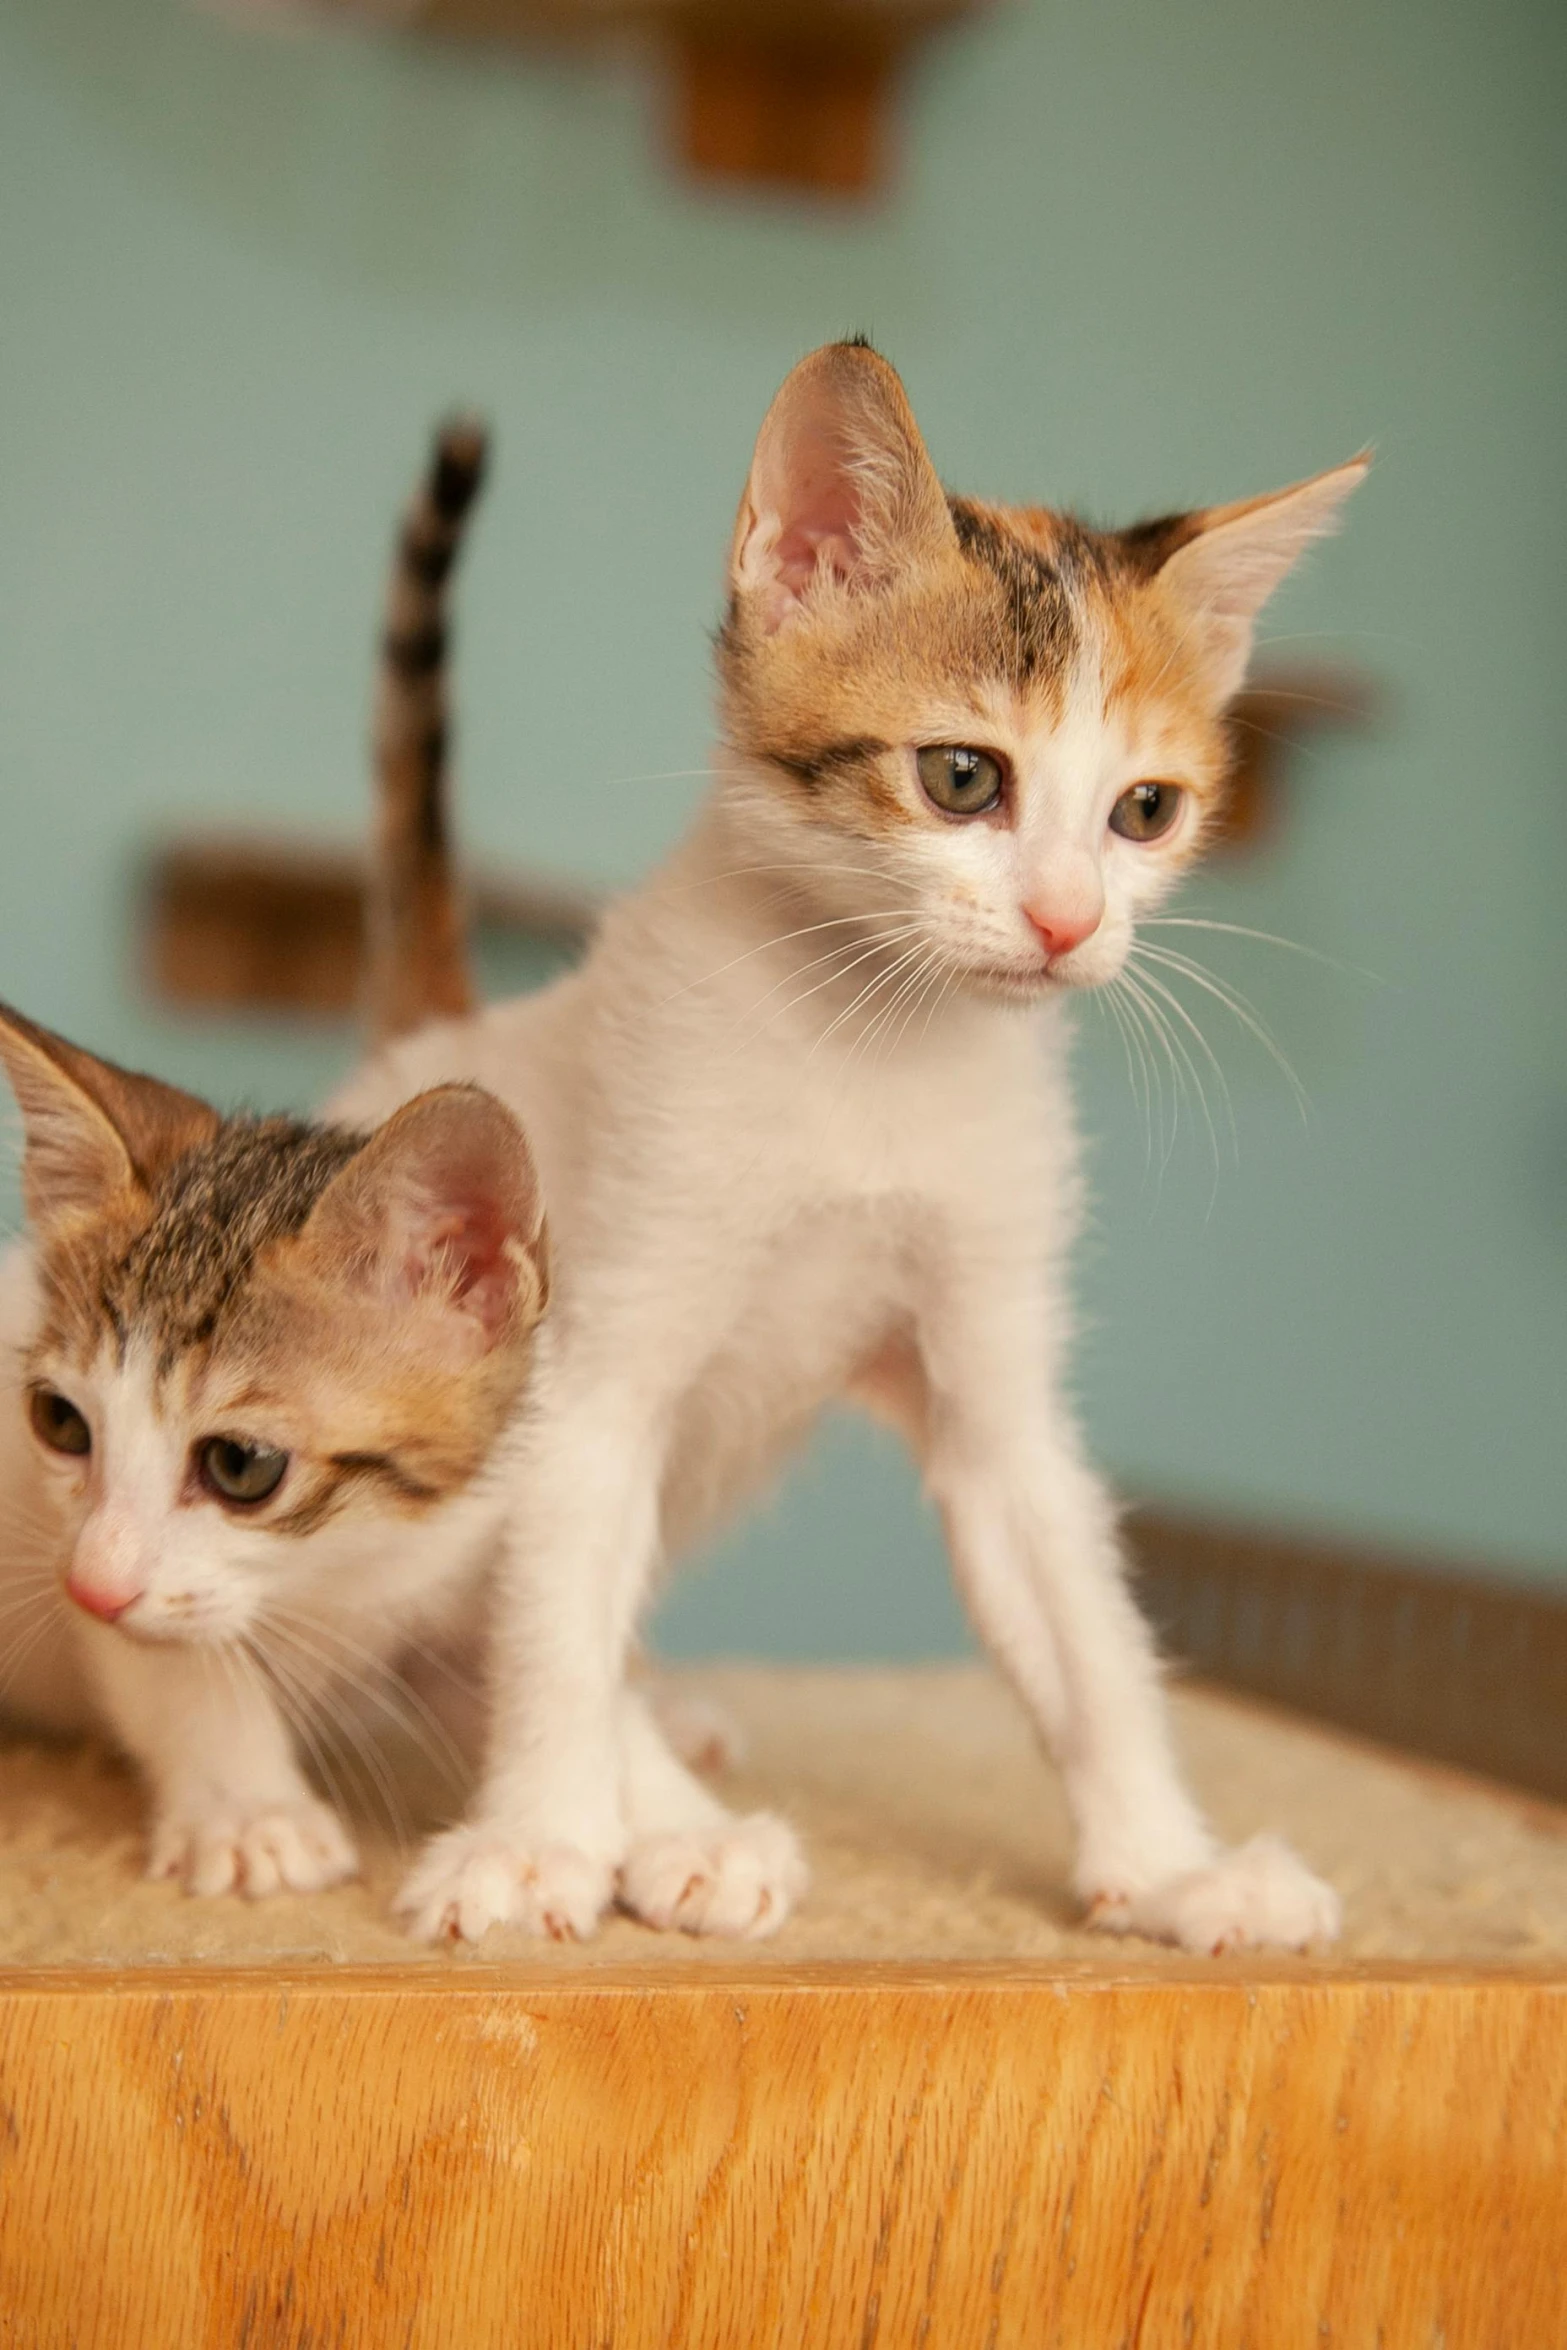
point(811, 493)
point(465, 1243)
point(819, 507)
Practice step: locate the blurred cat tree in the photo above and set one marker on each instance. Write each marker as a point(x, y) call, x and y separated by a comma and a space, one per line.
point(792, 93)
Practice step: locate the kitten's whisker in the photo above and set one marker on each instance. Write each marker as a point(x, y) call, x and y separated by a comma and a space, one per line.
point(36, 1512)
point(946, 986)
point(382, 1684)
point(1168, 997)
point(47, 1617)
point(809, 929)
point(1158, 1034)
point(876, 947)
point(408, 1644)
point(1178, 1010)
point(913, 963)
point(1107, 997)
point(907, 998)
point(360, 1739)
point(1297, 695)
point(23, 1602)
point(1160, 1028)
point(268, 1671)
point(1153, 1083)
point(420, 1723)
point(866, 994)
point(312, 1715)
point(1266, 938)
point(922, 996)
point(799, 869)
point(1239, 1009)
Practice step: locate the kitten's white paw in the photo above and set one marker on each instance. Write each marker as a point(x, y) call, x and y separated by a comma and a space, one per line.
point(292, 1847)
point(742, 1880)
point(473, 1878)
point(1258, 1895)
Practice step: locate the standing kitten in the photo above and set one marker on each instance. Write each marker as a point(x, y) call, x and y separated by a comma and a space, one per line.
point(804, 1124)
point(252, 1373)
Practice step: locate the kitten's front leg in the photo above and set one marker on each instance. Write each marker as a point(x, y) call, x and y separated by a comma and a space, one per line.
point(549, 1831)
point(1035, 1549)
point(693, 1865)
point(231, 1810)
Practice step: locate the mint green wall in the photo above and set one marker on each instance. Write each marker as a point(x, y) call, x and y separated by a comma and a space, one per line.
point(1139, 254)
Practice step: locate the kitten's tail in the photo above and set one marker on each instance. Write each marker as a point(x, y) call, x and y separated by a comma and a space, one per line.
point(417, 943)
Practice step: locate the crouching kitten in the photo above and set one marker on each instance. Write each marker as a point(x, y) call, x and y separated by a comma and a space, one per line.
point(252, 1377)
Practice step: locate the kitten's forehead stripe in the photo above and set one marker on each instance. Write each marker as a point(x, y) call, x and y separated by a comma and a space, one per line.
point(1041, 581)
point(109, 1307)
point(212, 1214)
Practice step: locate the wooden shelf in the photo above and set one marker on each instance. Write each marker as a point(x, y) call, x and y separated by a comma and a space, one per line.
point(892, 2155)
point(785, 93)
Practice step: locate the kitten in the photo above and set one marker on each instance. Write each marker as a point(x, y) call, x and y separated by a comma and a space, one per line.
point(804, 1124)
point(252, 1374)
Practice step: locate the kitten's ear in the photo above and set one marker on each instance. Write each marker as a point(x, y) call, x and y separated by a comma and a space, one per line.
point(443, 1202)
point(1229, 559)
point(91, 1130)
point(841, 487)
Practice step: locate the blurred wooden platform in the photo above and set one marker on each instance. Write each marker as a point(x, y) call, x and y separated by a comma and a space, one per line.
point(933, 2113)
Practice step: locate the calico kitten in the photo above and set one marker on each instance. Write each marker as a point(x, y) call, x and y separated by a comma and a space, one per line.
point(252, 1376)
point(804, 1123)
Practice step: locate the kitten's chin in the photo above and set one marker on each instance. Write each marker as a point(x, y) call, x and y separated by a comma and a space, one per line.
point(999, 984)
point(166, 1632)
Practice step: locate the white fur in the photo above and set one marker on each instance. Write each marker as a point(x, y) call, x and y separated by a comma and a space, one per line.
point(767, 1190)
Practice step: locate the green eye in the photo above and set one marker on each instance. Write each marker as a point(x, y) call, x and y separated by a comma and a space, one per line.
point(959, 781)
point(57, 1423)
point(243, 1473)
point(1146, 811)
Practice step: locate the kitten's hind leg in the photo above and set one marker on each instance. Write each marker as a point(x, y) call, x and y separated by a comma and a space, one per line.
point(692, 1865)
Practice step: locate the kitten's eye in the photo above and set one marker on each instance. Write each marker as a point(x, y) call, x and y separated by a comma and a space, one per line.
point(244, 1473)
point(1146, 811)
point(57, 1423)
point(960, 781)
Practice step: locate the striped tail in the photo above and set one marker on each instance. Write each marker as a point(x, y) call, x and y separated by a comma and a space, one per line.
point(417, 945)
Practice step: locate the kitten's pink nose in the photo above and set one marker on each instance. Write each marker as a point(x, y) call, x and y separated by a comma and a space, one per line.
point(1061, 928)
point(107, 1606)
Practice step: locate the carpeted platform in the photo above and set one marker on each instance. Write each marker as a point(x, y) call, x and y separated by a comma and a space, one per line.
point(933, 1828)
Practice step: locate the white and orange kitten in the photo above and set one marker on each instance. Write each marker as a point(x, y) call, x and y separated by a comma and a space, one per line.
point(803, 1123)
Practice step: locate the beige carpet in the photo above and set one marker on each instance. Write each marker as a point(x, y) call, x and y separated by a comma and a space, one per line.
point(933, 1828)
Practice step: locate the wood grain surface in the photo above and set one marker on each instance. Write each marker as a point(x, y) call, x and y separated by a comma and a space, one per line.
point(485, 2158)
